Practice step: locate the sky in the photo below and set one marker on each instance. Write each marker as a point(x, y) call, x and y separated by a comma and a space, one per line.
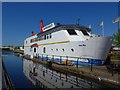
point(19, 19)
point(0, 25)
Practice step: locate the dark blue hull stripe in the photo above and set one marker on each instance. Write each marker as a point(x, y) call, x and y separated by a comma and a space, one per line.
point(94, 62)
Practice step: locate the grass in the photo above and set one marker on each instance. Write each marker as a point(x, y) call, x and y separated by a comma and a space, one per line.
point(115, 57)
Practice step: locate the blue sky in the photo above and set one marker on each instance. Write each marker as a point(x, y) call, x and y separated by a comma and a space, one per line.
point(19, 19)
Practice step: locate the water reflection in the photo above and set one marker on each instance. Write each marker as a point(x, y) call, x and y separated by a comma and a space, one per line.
point(46, 78)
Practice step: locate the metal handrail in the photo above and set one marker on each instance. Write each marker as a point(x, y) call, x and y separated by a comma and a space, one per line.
point(8, 82)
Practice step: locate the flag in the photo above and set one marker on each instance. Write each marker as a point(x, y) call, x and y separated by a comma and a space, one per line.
point(101, 24)
point(116, 20)
point(89, 27)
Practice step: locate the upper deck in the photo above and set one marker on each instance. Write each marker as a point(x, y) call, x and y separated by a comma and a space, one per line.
point(61, 33)
point(64, 27)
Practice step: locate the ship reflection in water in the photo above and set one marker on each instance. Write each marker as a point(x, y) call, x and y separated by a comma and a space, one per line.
point(44, 77)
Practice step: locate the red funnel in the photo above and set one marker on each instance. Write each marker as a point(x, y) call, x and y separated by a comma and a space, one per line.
point(33, 34)
point(41, 26)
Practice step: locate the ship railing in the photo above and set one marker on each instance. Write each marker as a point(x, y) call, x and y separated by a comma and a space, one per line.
point(8, 85)
point(68, 60)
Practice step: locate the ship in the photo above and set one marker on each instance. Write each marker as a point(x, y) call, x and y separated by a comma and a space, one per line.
point(68, 42)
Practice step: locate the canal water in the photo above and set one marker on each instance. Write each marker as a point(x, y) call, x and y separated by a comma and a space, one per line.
point(28, 74)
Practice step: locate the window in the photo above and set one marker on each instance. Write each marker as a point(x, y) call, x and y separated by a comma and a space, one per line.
point(85, 32)
point(45, 37)
point(26, 42)
point(56, 49)
point(34, 49)
point(44, 51)
point(50, 35)
point(63, 49)
point(71, 32)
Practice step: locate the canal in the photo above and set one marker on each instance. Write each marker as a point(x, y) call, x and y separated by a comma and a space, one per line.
point(28, 74)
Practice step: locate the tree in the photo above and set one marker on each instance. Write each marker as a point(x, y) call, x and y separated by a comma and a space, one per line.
point(17, 47)
point(116, 38)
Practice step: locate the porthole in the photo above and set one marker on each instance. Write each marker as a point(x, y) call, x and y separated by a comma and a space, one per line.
point(63, 49)
point(56, 49)
point(72, 50)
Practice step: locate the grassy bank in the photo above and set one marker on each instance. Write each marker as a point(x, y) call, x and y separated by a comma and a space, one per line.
point(115, 57)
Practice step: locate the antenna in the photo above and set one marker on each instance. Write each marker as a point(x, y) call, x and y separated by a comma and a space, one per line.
point(78, 21)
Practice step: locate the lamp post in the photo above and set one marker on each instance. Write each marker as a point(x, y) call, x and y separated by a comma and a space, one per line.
point(102, 25)
point(78, 21)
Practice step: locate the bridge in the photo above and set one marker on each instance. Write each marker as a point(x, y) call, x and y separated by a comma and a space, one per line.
point(7, 48)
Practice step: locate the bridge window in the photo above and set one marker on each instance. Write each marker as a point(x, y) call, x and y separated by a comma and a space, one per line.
point(85, 32)
point(71, 32)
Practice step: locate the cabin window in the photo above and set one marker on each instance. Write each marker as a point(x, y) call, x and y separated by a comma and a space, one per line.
point(85, 32)
point(63, 49)
point(44, 50)
point(71, 32)
point(50, 35)
point(47, 36)
point(56, 49)
point(34, 49)
point(26, 42)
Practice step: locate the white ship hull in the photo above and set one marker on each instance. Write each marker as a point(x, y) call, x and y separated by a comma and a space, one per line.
point(81, 48)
